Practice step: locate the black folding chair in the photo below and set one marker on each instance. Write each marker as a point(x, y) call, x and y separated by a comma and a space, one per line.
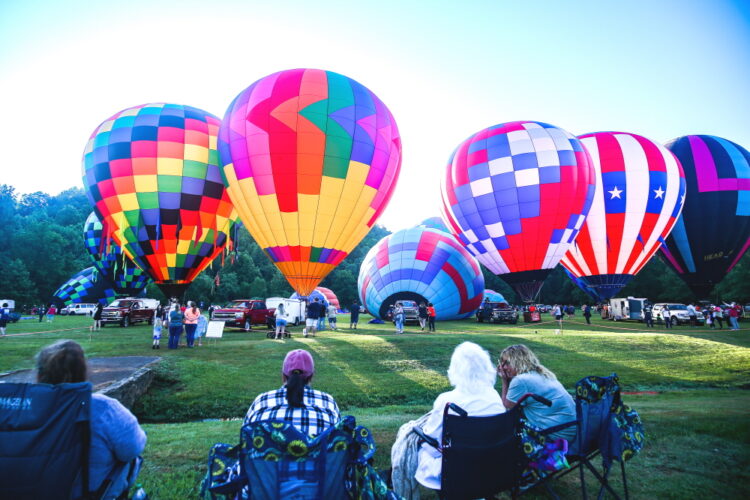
point(481, 456)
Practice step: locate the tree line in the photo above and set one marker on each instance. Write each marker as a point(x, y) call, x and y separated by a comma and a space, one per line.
point(41, 247)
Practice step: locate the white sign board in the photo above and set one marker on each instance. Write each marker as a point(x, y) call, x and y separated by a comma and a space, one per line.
point(215, 330)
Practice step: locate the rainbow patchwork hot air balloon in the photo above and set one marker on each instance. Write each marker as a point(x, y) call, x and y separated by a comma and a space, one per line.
point(423, 265)
point(152, 175)
point(311, 158)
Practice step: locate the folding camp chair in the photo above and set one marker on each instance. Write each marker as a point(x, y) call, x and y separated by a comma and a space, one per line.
point(44, 439)
point(602, 423)
point(45, 436)
point(280, 462)
point(481, 456)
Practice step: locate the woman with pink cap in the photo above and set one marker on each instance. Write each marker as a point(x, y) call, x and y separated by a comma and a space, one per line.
point(309, 410)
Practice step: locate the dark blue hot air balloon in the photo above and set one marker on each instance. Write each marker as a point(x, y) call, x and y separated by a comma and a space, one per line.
point(713, 231)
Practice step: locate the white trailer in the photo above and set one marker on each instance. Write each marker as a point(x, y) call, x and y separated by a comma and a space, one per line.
point(7, 304)
point(295, 309)
point(621, 309)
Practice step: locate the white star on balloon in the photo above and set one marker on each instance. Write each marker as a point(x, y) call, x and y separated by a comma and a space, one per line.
point(615, 193)
point(659, 193)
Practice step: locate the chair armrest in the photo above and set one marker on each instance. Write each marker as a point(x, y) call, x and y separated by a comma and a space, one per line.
point(425, 438)
point(543, 400)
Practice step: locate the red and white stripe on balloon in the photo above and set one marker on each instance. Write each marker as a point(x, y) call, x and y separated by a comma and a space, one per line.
point(640, 193)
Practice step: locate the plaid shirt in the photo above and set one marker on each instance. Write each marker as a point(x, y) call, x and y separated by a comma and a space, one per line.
point(319, 413)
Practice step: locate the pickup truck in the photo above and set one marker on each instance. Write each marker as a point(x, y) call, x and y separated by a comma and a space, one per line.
point(501, 312)
point(411, 311)
point(125, 312)
point(244, 313)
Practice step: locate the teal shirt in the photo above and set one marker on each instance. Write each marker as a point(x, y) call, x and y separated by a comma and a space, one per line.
point(175, 318)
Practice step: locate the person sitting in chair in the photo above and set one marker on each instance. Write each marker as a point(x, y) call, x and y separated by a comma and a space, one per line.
point(473, 377)
point(522, 373)
point(309, 410)
point(116, 437)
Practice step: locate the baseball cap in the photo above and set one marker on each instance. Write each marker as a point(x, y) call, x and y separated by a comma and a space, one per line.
point(298, 359)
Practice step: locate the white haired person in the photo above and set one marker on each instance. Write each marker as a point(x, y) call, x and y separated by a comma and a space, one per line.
point(473, 376)
point(522, 373)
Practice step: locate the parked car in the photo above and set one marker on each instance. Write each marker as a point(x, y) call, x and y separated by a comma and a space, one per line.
point(504, 313)
point(78, 309)
point(295, 308)
point(244, 313)
point(411, 311)
point(679, 313)
point(127, 311)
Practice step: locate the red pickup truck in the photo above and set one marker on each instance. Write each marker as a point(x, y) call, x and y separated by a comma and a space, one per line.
point(125, 312)
point(244, 313)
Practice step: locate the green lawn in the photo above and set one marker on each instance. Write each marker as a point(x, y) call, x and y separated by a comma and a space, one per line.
point(697, 425)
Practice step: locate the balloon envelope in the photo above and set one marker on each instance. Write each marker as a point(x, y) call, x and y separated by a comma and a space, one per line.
point(126, 278)
point(310, 159)
point(494, 296)
point(713, 231)
point(86, 286)
point(516, 195)
point(640, 193)
point(583, 286)
point(151, 173)
point(435, 223)
point(424, 265)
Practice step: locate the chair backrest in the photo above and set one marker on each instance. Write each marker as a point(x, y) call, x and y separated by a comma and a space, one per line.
point(282, 463)
point(44, 439)
point(481, 455)
point(595, 398)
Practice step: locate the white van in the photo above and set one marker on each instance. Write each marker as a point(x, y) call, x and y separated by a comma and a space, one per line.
point(295, 308)
point(7, 304)
point(78, 309)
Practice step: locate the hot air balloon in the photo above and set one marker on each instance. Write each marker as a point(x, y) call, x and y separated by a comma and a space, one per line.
point(424, 265)
point(151, 173)
point(516, 195)
point(713, 231)
point(640, 192)
point(434, 223)
point(126, 278)
point(86, 286)
point(494, 296)
point(310, 159)
point(325, 295)
point(583, 286)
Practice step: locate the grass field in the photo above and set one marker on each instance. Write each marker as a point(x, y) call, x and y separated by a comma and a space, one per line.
point(697, 422)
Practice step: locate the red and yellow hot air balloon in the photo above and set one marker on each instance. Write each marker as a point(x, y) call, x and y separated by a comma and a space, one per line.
point(311, 159)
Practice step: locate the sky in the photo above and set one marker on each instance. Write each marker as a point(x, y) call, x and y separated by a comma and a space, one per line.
point(445, 69)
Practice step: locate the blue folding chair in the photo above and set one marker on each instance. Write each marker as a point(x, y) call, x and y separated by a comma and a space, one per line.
point(606, 427)
point(44, 439)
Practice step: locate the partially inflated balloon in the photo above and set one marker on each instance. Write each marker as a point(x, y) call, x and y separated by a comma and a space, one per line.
point(325, 295)
point(434, 223)
point(85, 287)
point(126, 278)
point(640, 193)
point(494, 296)
point(310, 159)
point(424, 265)
point(713, 231)
point(516, 195)
point(152, 174)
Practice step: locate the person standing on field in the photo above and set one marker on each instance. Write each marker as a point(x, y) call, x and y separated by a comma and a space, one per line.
point(354, 312)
